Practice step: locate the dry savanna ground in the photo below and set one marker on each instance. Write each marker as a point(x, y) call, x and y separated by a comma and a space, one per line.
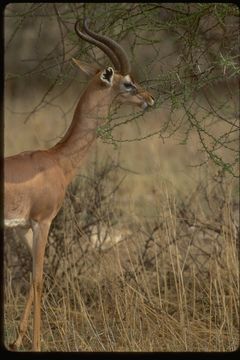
point(143, 255)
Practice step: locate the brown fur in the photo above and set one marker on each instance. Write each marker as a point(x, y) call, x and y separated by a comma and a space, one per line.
point(36, 182)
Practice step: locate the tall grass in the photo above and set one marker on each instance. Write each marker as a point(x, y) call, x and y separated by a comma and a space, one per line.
point(172, 284)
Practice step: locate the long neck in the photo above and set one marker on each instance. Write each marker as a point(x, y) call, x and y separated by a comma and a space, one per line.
point(92, 108)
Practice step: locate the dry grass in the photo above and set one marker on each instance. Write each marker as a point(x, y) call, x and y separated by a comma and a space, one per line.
point(171, 285)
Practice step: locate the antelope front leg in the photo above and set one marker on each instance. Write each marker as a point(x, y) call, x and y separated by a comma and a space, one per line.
point(40, 234)
point(25, 235)
point(24, 321)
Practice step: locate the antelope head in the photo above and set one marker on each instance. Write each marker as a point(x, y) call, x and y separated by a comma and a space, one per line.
point(116, 77)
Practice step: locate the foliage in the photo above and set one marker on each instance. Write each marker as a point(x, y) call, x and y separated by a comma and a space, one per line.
point(188, 54)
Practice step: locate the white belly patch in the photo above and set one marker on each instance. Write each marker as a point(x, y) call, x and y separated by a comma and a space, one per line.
point(16, 222)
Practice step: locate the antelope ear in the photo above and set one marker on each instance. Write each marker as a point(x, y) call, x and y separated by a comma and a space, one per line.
point(87, 68)
point(107, 76)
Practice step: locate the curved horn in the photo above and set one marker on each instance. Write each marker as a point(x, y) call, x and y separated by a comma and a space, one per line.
point(120, 53)
point(100, 45)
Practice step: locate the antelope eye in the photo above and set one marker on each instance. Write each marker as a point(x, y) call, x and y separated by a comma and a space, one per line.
point(128, 85)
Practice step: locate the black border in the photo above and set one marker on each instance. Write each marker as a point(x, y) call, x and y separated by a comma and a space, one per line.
point(72, 355)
